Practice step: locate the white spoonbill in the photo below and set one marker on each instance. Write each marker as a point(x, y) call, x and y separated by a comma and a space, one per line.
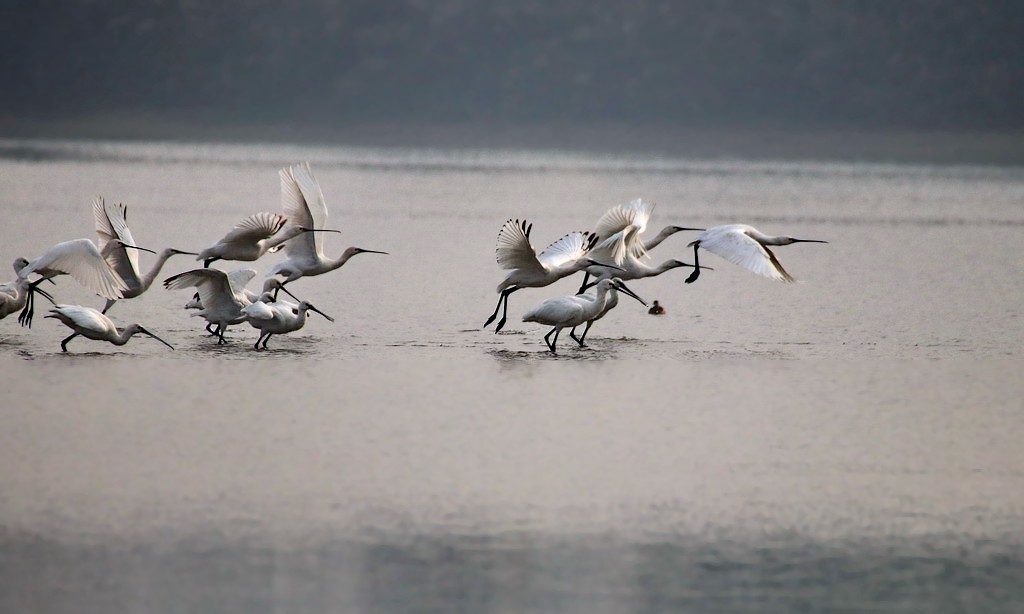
point(222, 303)
point(746, 246)
point(15, 295)
point(92, 324)
point(527, 269)
point(571, 311)
point(112, 226)
point(621, 227)
point(80, 259)
point(303, 202)
point(278, 317)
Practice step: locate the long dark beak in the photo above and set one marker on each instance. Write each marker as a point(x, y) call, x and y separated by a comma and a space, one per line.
point(312, 308)
point(289, 293)
point(155, 337)
point(141, 249)
point(304, 229)
point(178, 251)
point(808, 241)
point(621, 287)
point(702, 267)
point(610, 266)
point(680, 228)
point(373, 251)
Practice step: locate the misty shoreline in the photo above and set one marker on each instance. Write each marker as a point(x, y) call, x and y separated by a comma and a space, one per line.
point(778, 143)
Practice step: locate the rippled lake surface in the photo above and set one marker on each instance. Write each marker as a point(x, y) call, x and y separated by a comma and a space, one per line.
point(851, 442)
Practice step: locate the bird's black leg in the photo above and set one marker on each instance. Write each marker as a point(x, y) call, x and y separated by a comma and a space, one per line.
point(257, 344)
point(584, 335)
point(25, 317)
point(265, 339)
point(553, 342)
point(583, 286)
point(220, 334)
point(64, 344)
point(504, 314)
point(497, 308)
point(210, 329)
point(209, 261)
point(572, 333)
point(696, 265)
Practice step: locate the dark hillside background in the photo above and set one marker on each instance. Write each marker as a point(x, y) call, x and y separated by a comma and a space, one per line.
point(866, 65)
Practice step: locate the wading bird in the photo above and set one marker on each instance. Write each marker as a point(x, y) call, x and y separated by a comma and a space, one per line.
point(746, 246)
point(92, 324)
point(622, 226)
point(303, 202)
point(527, 269)
point(221, 302)
point(571, 311)
point(112, 229)
point(278, 317)
point(18, 294)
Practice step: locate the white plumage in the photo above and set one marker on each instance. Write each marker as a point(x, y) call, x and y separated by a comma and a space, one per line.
point(80, 259)
point(278, 317)
point(571, 311)
point(746, 246)
point(527, 269)
point(92, 324)
point(303, 202)
point(113, 233)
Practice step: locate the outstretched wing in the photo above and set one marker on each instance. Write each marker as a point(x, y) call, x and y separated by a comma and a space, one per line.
point(513, 250)
point(255, 228)
point(240, 278)
point(738, 248)
point(215, 291)
point(81, 260)
point(112, 223)
point(567, 250)
point(621, 226)
point(302, 201)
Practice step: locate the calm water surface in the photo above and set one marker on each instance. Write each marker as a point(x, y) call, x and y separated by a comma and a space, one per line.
point(848, 443)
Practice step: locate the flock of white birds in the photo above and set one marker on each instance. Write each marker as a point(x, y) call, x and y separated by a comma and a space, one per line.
point(614, 252)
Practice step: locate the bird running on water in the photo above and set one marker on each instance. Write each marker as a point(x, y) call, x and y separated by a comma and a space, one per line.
point(527, 269)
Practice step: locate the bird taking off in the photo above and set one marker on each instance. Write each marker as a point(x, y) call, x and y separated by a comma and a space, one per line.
point(746, 246)
point(528, 269)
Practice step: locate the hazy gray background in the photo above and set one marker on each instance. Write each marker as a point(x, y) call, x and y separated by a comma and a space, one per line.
point(413, 72)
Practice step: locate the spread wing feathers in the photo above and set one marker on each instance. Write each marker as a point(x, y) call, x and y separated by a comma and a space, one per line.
point(240, 278)
point(514, 250)
point(83, 317)
point(112, 223)
point(739, 248)
point(567, 250)
point(215, 291)
point(621, 226)
point(255, 228)
point(81, 260)
point(302, 201)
